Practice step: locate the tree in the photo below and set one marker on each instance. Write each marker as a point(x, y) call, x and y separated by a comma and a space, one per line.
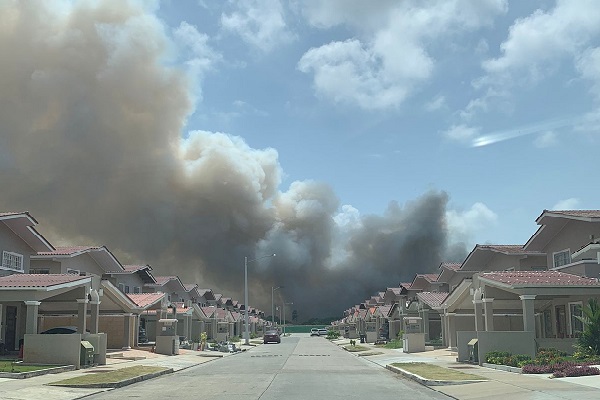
point(589, 341)
point(295, 316)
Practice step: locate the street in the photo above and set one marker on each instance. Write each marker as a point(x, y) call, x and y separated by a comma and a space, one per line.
point(301, 367)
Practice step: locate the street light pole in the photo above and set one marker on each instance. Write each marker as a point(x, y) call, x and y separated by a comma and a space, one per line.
point(273, 289)
point(246, 306)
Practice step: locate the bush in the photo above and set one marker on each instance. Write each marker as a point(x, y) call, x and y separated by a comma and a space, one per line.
point(589, 341)
point(584, 370)
point(333, 335)
point(497, 357)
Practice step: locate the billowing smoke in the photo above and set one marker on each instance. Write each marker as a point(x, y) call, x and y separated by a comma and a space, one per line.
point(92, 113)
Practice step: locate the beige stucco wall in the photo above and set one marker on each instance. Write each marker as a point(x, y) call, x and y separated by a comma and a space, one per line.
point(573, 236)
point(11, 242)
point(52, 349)
point(52, 266)
point(111, 325)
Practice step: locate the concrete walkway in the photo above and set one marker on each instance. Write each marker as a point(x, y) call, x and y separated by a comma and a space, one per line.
point(499, 384)
point(37, 388)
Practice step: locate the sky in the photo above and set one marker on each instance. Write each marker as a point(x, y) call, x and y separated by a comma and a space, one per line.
point(360, 141)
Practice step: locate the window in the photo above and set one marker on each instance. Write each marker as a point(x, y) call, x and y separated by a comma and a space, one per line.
point(137, 289)
point(12, 261)
point(126, 289)
point(561, 258)
point(576, 324)
point(122, 287)
point(42, 271)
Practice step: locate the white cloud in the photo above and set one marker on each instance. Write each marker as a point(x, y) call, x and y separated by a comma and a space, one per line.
point(543, 37)
point(260, 23)
point(546, 139)
point(463, 225)
point(390, 58)
point(435, 104)
point(566, 204)
point(201, 57)
point(462, 133)
point(588, 65)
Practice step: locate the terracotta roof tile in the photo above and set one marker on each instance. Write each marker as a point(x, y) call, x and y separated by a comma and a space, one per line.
point(451, 266)
point(430, 277)
point(577, 213)
point(190, 286)
point(134, 268)
point(162, 280)
point(68, 250)
point(539, 278)
point(432, 299)
point(508, 248)
point(38, 280)
point(145, 299)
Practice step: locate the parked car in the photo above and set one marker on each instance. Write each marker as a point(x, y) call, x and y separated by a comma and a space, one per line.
point(60, 330)
point(271, 336)
point(322, 332)
point(314, 332)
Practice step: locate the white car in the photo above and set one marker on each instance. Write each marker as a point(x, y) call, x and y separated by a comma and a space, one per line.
point(314, 332)
point(322, 332)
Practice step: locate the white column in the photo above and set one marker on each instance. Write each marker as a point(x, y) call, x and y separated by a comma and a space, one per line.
point(451, 329)
point(477, 304)
point(528, 312)
point(32, 316)
point(489, 314)
point(82, 315)
point(425, 322)
point(127, 331)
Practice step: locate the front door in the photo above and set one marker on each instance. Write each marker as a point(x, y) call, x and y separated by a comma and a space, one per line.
point(10, 336)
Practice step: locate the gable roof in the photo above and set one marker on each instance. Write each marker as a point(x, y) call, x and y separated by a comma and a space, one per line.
point(515, 279)
point(23, 225)
point(41, 281)
point(450, 266)
point(552, 221)
point(432, 299)
point(100, 254)
point(146, 300)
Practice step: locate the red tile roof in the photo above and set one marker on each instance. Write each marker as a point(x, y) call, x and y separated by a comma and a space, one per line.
point(539, 278)
point(134, 268)
point(406, 285)
point(162, 280)
point(190, 286)
point(576, 213)
point(432, 299)
point(146, 299)
point(508, 248)
point(452, 266)
point(430, 277)
point(68, 250)
point(396, 290)
point(38, 280)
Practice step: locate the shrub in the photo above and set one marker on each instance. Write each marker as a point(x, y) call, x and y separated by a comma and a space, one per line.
point(496, 357)
point(333, 334)
point(589, 341)
point(584, 370)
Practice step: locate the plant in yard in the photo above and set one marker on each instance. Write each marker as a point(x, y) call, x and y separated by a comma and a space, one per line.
point(584, 370)
point(589, 341)
point(333, 335)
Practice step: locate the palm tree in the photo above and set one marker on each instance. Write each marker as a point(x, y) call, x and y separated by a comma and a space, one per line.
point(589, 341)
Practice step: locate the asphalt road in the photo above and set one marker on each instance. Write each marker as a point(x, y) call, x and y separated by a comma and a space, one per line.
point(301, 367)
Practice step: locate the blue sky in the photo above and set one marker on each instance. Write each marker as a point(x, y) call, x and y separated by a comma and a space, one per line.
point(361, 141)
point(384, 100)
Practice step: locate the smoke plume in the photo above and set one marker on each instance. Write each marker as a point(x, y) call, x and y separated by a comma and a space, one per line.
point(92, 142)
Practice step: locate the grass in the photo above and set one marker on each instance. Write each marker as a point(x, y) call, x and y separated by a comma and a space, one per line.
point(435, 372)
point(356, 348)
point(109, 377)
point(394, 344)
point(11, 366)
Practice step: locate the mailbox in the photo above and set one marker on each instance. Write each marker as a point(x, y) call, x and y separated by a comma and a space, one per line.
point(412, 325)
point(167, 327)
point(473, 351)
point(86, 355)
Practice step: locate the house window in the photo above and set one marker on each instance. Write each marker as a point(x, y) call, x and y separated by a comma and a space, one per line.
point(12, 261)
point(137, 289)
point(576, 326)
point(40, 271)
point(561, 258)
point(122, 287)
point(126, 289)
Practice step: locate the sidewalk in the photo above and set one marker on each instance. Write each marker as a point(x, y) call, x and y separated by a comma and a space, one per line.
point(499, 384)
point(36, 388)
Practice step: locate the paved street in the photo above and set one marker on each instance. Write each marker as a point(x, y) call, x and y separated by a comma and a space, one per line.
point(301, 367)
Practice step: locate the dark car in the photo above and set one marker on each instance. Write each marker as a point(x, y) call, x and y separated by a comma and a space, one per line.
point(60, 330)
point(271, 336)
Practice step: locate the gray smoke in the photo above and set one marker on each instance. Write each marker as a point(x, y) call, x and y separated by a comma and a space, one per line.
point(92, 114)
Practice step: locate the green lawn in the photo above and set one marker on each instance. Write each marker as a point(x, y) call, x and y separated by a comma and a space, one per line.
point(435, 372)
point(11, 366)
point(109, 377)
point(356, 348)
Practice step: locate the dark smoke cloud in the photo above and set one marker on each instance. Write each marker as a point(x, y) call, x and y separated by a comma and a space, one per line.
point(91, 143)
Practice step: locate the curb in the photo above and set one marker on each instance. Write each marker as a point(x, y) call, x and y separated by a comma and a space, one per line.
point(429, 382)
point(39, 372)
point(126, 382)
point(506, 368)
